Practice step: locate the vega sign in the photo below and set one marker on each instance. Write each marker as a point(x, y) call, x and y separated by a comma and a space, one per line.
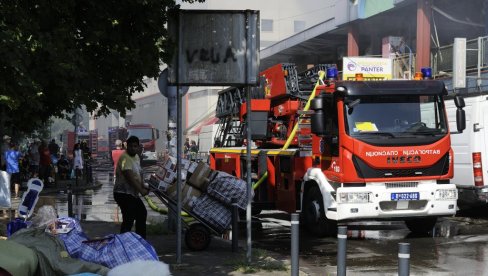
point(371, 68)
point(214, 47)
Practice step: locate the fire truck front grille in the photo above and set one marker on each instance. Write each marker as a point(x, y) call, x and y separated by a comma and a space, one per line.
point(395, 185)
point(366, 171)
point(400, 205)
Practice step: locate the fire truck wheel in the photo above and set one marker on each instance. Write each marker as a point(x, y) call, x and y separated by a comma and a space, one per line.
point(197, 237)
point(421, 225)
point(314, 215)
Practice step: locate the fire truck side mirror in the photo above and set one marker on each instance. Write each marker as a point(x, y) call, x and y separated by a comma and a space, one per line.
point(459, 101)
point(460, 120)
point(460, 114)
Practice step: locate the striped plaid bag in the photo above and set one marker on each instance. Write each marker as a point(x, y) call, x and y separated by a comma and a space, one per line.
point(224, 187)
point(74, 238)
point(114, 250)
point(213, 212)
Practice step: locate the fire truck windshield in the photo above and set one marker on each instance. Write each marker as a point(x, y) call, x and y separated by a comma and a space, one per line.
point(393, 116)
point(144, 134)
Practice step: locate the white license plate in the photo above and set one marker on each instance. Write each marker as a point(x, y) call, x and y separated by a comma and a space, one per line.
point(405, 196)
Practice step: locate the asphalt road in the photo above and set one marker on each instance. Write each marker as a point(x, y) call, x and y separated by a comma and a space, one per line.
point(457, 246)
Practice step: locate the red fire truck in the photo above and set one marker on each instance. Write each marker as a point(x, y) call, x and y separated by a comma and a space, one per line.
point(147, 135)
point(364, 150)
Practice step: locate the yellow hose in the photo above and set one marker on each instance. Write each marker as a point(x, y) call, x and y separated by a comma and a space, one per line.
point(295, 128)
point(160, 210)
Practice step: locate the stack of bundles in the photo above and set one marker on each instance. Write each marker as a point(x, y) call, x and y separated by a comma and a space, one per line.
point(189, 195)
point(165, 175)
point(224, 187)
point(199, 176)
point(212, 212)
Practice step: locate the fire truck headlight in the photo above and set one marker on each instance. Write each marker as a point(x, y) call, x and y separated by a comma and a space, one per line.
point(446, 194)
point(363, 197)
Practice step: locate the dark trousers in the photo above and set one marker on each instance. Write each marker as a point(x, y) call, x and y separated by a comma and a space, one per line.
point(133, 209)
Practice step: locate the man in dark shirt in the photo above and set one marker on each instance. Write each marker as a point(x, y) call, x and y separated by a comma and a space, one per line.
point(53, 148)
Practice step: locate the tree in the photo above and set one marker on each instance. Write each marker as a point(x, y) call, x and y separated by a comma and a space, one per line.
point(58, 55)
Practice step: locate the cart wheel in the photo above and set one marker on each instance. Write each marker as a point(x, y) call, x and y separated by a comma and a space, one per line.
point(197, 237)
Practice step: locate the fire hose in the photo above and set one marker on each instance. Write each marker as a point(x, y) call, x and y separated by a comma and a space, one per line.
point(295, 128)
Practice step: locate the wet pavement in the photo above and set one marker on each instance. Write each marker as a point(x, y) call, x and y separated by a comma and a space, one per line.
point(457, 246)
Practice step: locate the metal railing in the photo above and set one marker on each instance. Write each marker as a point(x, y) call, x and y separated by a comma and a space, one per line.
point(476, 56)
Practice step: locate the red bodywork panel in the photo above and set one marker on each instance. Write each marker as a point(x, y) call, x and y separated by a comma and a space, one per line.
point(275, 85)
point(256, 105)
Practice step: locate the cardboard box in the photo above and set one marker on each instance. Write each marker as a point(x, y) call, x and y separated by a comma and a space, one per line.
point(199, 178)
point(163, 186)
point(189, 195)
point(161, 172)
point(192, 167)
point(185, 164)
point(169, 177)
point(154, 181)
point(170, 164)
point(183, 174)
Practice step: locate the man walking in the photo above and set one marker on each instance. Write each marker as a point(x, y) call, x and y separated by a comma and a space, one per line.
point(128, 186)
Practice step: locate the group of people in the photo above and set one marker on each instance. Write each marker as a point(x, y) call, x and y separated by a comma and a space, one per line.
point(39, 159)
point(190, 149)
point(34, 161)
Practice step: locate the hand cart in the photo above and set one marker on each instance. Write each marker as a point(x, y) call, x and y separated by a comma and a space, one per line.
point(198, 233)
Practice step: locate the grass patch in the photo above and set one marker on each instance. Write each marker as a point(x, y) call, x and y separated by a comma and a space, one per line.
point(260, 261)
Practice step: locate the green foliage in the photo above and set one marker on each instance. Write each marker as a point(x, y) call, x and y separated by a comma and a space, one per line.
point(58, 55)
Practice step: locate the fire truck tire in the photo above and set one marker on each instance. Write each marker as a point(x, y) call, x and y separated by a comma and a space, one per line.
point(314, 216)
point(197, 237)
point(421, 225)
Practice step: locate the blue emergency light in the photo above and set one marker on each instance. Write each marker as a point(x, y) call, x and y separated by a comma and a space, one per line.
point(426, 72)
point(332, 73)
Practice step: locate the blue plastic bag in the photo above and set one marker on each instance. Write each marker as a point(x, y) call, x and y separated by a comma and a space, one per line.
point(15, 225)
point(114, 250)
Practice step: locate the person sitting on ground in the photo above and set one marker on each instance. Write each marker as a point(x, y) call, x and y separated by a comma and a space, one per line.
point(128, 185)
point(12, 157)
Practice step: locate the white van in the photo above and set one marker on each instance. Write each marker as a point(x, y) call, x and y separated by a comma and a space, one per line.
point(470, 150)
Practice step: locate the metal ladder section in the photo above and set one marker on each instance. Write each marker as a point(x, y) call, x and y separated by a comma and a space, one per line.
point(304, 133)
point(229, 132)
